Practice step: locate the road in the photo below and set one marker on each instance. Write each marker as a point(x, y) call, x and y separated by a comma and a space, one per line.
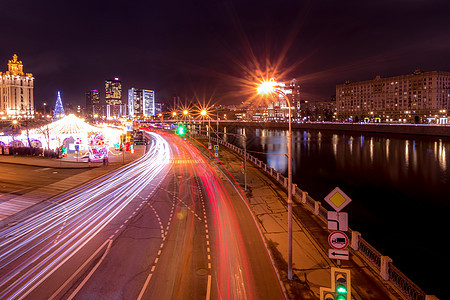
point(165, 227)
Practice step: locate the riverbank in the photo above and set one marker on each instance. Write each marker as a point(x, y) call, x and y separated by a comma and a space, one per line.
point(405, 129)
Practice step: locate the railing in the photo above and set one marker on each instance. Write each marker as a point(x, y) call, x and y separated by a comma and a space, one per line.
point(387, 270)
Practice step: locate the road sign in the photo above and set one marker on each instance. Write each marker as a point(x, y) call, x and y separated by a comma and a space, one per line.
point(338, 240)
point(216, 147)
point(338, 254)
point(337, 221)
point(209, 146)
point(216, 154)
point(338, 199)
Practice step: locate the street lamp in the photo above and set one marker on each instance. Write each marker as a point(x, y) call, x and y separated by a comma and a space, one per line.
point(268, 87)
point(204, 113)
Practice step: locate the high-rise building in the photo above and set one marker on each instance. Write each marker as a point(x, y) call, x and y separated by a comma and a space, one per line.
point(113, 97)
point(278, 109)
point(93, 107)
point(141, 102)
point(414, 98)
point(16, 90)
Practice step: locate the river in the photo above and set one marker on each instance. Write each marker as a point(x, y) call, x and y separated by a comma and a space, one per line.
point(399, 185)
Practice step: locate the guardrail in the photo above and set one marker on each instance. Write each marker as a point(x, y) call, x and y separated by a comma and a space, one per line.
point(381, 263)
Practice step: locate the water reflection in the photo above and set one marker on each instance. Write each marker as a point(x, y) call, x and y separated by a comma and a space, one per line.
point(396, 183)
point(397, 159)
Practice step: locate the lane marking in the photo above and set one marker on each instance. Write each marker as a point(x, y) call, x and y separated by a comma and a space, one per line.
point(208, 288)
point(141, 294)
point(80, 286)
point(79, 269)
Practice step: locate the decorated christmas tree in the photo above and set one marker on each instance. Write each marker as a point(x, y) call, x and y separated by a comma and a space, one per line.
point(59, 109)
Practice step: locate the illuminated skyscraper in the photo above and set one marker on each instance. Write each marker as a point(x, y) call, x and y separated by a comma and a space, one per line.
point(93, 103)
point(16, 90)
point(141, 102)
point(113, 97)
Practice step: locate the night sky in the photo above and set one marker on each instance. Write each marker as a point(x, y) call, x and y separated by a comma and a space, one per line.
point(206, 50)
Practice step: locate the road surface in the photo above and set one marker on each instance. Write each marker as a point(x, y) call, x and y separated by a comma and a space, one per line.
point(165, 227)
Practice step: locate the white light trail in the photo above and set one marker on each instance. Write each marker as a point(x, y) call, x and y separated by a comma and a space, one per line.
point(29, 251)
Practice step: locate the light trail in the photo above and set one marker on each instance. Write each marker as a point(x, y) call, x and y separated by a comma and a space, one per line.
point(29, 252)
point(233, 276)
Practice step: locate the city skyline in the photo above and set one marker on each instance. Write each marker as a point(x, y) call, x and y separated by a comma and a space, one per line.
point(204, 50)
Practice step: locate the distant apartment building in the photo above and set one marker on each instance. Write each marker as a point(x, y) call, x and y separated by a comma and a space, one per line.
point(113, 98)
point(93, 107)
point(16, 90)
point(414, 98)
point(141, 102)
point(158, 108)
point(278, 109)
point(317, 111)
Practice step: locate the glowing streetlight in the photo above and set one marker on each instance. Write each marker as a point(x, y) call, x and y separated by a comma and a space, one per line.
point(185, 112)
point(204, 113)
point(268, 87)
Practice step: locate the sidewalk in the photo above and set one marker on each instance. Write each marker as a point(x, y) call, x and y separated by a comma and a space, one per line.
point(20, 205)
point(115, 158)
point(267, 200)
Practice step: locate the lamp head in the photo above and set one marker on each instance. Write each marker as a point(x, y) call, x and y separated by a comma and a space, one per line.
point(266, 87)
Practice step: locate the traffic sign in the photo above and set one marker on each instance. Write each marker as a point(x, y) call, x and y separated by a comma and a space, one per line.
point(338, 240)
point(337, 221)
point(337, 199)
point(209, 146)
point(216, 147)
point(216, 154)
point(338, 254)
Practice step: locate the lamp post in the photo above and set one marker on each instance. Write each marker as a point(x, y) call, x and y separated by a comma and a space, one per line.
point(268, 87)
point(204, 113)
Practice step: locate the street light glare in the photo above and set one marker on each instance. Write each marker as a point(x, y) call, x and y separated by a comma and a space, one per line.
point(266, 87)
point(203, 112)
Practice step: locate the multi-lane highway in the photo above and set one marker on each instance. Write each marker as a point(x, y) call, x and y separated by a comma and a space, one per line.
point(164, 227)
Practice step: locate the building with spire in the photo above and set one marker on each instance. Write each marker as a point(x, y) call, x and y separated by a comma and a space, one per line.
point(16, 90)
